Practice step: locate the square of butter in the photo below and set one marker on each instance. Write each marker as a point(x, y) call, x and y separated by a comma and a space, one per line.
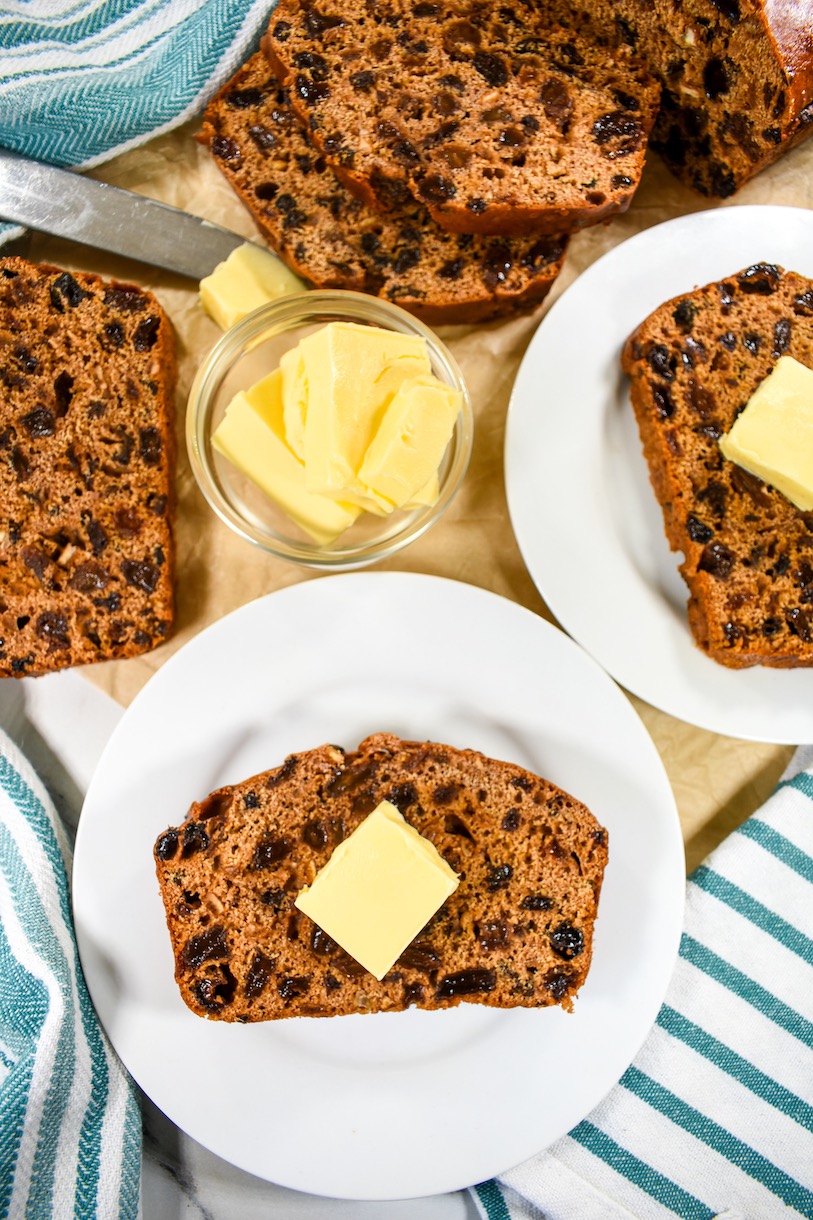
point(411, 439)
point(379, 888)
point(772, 437)
point(248, 278)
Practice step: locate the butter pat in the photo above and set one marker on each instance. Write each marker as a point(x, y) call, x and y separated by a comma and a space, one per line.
point(772, 437)
point(351, 372)
point(379, 888)
point(251, 436)
point(249, 277)
point(411, 440)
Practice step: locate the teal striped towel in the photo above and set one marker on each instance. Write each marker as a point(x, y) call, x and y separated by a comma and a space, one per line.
point(83, 80)
point(715, 1116)
point(70, 1124)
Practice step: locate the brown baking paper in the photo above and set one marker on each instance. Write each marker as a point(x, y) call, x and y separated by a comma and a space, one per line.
point(717, 781)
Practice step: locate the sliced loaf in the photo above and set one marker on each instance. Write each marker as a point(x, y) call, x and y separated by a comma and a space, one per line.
point(333, 240)
point(496, 120)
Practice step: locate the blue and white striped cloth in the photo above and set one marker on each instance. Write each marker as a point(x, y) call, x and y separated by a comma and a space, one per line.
point(70, 1123)
point(715, 1116)
point(83, 80)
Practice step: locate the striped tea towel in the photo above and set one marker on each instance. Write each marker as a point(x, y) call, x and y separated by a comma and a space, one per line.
point(70, 1124)
point(714, 1118)
point(83, 80)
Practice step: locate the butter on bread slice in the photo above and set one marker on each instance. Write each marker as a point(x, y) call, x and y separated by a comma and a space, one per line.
point(772, 437)
point(378, 889)
point(518, 930)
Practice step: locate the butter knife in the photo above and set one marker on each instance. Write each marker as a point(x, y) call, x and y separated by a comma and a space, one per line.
point(67, 204)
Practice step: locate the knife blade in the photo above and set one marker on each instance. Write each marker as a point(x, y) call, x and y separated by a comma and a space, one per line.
point(67, 204)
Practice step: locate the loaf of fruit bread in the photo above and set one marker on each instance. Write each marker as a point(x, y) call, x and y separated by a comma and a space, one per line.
point(497, 120)
point(517, 931)
point(748, 551)
point(333, 240)
point(736, 77)
point(86, 469)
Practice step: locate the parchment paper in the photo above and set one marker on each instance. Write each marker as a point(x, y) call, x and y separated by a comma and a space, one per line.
point(718, 781)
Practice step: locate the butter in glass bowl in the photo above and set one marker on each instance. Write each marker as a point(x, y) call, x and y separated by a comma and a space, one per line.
point(322, 443)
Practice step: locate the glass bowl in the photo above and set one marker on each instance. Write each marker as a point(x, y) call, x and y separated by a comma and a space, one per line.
point(245, 354)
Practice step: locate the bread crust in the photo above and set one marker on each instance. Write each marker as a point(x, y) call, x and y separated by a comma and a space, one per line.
point(518, 931)
point(788, 24)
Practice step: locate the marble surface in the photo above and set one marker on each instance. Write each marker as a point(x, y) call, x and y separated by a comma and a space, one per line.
point(62, 723)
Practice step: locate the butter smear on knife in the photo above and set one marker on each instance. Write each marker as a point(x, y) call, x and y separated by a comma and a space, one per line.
point(353, 419)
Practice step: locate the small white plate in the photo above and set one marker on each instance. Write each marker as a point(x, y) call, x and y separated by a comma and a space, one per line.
point(586, 519)
point(388, 1105)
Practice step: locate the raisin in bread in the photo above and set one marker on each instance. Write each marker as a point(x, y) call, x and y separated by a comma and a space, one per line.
point(748, 552)
point(86, 469)
point(517, 931)
point(736, 76)
point(333, 240)
point(497, 121)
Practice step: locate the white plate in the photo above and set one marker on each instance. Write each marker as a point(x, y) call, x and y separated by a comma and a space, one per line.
point(586, 519)
point(386, 1105)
